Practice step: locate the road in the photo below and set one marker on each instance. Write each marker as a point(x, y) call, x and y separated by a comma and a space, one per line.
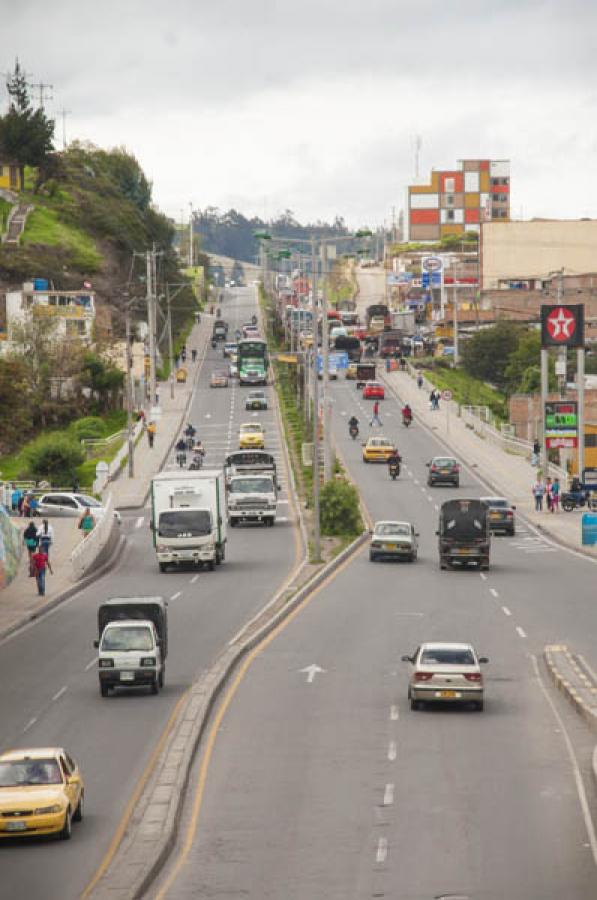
point(50, 672)
point(333, 788)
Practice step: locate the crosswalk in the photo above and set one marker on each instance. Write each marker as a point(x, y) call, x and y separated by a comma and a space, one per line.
point(526, 541)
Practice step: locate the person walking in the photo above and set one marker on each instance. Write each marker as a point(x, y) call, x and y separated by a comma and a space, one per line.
point(40, 564)
point(432, 399)
point(194, 355)
point(536, 452)
point(86, 522)
point(555, 495)
point(549, 494)
point(437, 398)
point(151, 430)
point(31, 541)
point(375, 416)
point(15, 498)
point(26, 507)
point(419, 381)
point(34, 506)
point(538, 493)
point(45, 536)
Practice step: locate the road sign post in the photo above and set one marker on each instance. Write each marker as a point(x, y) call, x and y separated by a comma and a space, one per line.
point(447, 396)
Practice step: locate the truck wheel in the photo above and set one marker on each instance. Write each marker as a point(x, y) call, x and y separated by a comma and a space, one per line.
point(155, 687)
point(104, 689)
point(233, 523)
point(162, 677)
point(218, 558)
point(211, 565)
point(162, 567)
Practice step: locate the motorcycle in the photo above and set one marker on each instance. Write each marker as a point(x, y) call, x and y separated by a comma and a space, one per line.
point(407, 420)
point(574, 500)
point(394, 469)
point(181, 459)
point(214, 343)
point(353, 431)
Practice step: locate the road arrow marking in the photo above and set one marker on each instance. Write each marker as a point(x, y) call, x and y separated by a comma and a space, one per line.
point(312, 671)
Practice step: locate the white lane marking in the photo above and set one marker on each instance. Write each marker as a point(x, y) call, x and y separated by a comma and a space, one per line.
point(417, 481)
point(382, 850)
point(493, 592)
point(30, 723)
point(194, 579)
point(521, 631)
point(424, 490)
point(174, 596)
point(483, 576)
point(584, 804)
point(388, 795)
point(283, 502)
point(437, 507)
point(394, 714)
point(208, 415)
point(139, 522)
point(430, 498)
point(506, 611)
point(392, 751)
point(90, 664)
point(59, 693)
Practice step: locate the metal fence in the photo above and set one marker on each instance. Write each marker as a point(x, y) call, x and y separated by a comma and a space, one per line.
point(89, 548)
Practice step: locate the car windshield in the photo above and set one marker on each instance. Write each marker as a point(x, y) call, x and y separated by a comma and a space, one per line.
point(87, 501)
point(250, 429)
point(379, 442)
point(219, 375)
point(15, 773)
point(256, 395)
point(251, 486)
point(392, 528)
point(447, 657)
point(133, 637)
point(444, 461)
point(184, 523)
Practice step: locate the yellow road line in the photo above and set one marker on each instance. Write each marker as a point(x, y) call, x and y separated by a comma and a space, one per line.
point(221, 711)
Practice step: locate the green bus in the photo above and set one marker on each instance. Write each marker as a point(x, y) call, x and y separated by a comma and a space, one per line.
point(252, 361)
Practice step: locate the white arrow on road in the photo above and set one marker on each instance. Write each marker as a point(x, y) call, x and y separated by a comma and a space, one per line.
point(312, 671)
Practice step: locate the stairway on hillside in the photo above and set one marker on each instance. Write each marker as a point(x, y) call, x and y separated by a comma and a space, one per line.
point(16, 223)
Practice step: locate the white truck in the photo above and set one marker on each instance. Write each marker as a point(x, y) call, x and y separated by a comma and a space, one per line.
point(189, 517)
point(132, 643)
point(252, 498)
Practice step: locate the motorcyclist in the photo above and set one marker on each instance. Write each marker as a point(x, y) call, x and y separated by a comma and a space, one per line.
point(181, 445)
point(407, 413)
point(198, 448)
point(190, 430)
point(394, 459)
point(353, 422)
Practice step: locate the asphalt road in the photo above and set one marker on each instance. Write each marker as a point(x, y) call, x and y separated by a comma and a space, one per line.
point(51, 694)
point(335, 789)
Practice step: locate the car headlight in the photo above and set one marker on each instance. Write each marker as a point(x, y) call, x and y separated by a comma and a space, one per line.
point(161, 548)
point(46, 810)
point(148, 660)
point(106, 663)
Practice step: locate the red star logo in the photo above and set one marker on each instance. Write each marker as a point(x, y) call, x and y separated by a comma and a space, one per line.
point(561, 324)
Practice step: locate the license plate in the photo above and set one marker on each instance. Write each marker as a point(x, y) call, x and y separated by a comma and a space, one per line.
point(16, 826)
point(444, 471)
point(127, 676)
point(495, 516)
point(447, 695)
point(391, 546)
point(462, 552)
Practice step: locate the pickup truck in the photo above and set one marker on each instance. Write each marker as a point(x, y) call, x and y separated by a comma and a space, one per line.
point(132, 643)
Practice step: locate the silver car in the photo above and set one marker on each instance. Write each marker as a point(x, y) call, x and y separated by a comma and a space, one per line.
point(445, 673)
point(67, 504)
point(393, 540)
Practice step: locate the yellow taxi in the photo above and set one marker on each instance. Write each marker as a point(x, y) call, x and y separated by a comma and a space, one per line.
point(351, 371)
point(41, 792)
point(378, 449)
point(251, 436)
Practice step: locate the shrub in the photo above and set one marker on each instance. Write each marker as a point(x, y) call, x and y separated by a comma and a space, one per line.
point(89, 427)
point(54, 457)
point(339, 508)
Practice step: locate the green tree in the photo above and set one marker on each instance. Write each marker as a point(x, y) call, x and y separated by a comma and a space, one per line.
point(104, 379)
point(54, 457)
point(339, 505)
point(486, 355)
point(26, 134)
point(15, 404)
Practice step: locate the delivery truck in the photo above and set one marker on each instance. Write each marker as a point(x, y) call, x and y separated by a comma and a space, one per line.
point(189, 517)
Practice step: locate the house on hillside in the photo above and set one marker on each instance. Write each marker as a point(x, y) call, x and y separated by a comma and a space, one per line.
point(73, 312)
point(11, 176)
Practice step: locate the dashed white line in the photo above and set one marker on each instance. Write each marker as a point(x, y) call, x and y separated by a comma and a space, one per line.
point(506, 611)
point(194, 579)
point(30, 723)
point(90, 664)
point(437, 507)
point(139, 522)
point(493, 592)
point(394, 714)
point(521, 631)
point(59, 693)
point(417, 481)
point(174, 596)
point(382, 850)
point(430, 498)
point(388, 795)
point(392, 751)
point(483, 576)
point(424, 490)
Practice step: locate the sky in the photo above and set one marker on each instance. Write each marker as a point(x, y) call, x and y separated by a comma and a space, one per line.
point(268, 105)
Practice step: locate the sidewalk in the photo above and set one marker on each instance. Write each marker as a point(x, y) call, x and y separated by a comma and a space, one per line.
point(509, 475)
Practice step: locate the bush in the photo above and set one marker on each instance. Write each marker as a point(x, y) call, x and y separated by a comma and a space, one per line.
point(89, 427)
point(54, 457)
point(339, 509)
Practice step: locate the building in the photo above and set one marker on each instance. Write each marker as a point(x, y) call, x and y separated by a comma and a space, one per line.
point(11, 176)
point(459, 200)
point(73, 312)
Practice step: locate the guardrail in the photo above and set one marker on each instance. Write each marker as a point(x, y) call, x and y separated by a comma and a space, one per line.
point(89, 549)
point(93, 446)
point(116, 464)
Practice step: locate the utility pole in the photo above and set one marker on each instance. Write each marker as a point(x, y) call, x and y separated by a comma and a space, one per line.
point(149, 266)
point(325, 361)
point(170, 346)
point(190, 235)
point(129, 394)
point(316, 521)
point(64, 113)
point(43, 88)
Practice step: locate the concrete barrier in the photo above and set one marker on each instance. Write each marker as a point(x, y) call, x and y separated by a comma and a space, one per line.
point(91, 551)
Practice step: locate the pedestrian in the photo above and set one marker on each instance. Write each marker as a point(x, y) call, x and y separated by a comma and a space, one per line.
point(26, 507)
point(45, 535)
point(375, 416)
point(41, 563)
point(549, 494)
point(538, 492)
point(157, 397)
point(15, 498)
point(432, 399)
point(86, 522)
point(437, 398)
point(151, 430)
point(419, 381)
point(177, 360)
point(31, 541)
point(536, 447)
point(75, 485)
point(194, 355)
point(34, 506)
point(555, 495)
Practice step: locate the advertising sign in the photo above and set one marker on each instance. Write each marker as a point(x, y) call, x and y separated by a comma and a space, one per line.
point(432, 263)
point(563, 326)
point(561, 424)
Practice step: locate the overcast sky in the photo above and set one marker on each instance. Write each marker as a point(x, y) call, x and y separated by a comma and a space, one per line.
point(314, 105)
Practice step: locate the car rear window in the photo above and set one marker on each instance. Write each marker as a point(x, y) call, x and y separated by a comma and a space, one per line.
point(495, 504)
point(447, 657)
point(444, 461)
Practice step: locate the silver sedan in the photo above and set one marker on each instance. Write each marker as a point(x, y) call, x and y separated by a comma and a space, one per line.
point(393, 540)
point(444, 672)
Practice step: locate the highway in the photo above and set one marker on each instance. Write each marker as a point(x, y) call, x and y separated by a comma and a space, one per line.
point(324, 784)
point(50, 666)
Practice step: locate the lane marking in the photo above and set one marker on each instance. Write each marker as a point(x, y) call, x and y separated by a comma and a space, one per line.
point(417, 481)
point(59, 693)
point(483, 576)
point(194, 579)
point(394, 713)
point(392, 751)
point(29, 724)
point(493, 592)
point(176, 595)
point(90, 664)
point(437, 507)
point(430, 498)
point(521, 631)
point(139, 522)
point(388, 795)
point(382, 850)
point(506, 611)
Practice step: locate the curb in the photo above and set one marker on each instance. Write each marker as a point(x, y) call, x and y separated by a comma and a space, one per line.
point(594, 766)
point(154, 827)
point(565, 687)
point(112, 560)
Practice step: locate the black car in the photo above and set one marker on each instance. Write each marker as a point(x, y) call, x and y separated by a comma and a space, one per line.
point(256, 400)
point(501, 514)
point(443, 470)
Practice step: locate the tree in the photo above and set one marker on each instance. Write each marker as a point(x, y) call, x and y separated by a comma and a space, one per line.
point(26, 135)
point(54, 456)
point(15, 411)
point(486, 355)
point(104, 379)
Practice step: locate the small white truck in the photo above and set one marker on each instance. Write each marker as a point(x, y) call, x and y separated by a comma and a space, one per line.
point(189, 517)
point(132, 643)
point(252, 498)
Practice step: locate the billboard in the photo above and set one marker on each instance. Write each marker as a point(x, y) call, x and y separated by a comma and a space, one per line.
point(561, 424)
point(563, 326)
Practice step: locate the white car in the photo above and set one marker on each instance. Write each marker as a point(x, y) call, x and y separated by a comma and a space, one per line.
point(393, 540)
point(443, 672)
point(67, 504)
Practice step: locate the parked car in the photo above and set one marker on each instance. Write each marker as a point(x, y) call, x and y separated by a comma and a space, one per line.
point(501, 514)
point(445, 672)
point(373, 390)
point(218, 379)
point(443, 470)
point(256, 400)
point(67, 504)
point(393, 540)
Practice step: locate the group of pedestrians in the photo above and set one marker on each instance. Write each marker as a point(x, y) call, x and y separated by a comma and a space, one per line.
point(38, 541)
point(23, 503)
point(548, 490)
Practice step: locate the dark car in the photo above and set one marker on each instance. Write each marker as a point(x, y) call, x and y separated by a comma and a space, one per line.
point(501, 514)
point(443, 470)
point(256, 400)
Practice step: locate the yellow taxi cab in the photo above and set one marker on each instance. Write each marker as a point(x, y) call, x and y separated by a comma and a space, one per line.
point(251, 436)
point(181, 375)
point(351, 371)
point(378, 449)
point(41, 792)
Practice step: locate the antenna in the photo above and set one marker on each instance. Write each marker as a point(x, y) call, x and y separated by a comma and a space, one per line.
point(64, 113)
point(43, 88)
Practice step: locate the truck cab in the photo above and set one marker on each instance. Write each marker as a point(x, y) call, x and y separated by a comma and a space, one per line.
point(252, 498)
point(132, 643)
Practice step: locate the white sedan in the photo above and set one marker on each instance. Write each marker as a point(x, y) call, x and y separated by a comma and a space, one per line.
point(393, 540)
point(443, 672)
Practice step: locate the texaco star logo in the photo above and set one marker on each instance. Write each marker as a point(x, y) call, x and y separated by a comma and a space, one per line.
point(561, 324)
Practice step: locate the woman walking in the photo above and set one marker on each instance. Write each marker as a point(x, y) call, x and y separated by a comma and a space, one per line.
point(86, 522)
point(31, 540)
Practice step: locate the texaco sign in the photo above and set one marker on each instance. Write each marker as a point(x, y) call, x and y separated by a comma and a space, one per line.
point(563, 326)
